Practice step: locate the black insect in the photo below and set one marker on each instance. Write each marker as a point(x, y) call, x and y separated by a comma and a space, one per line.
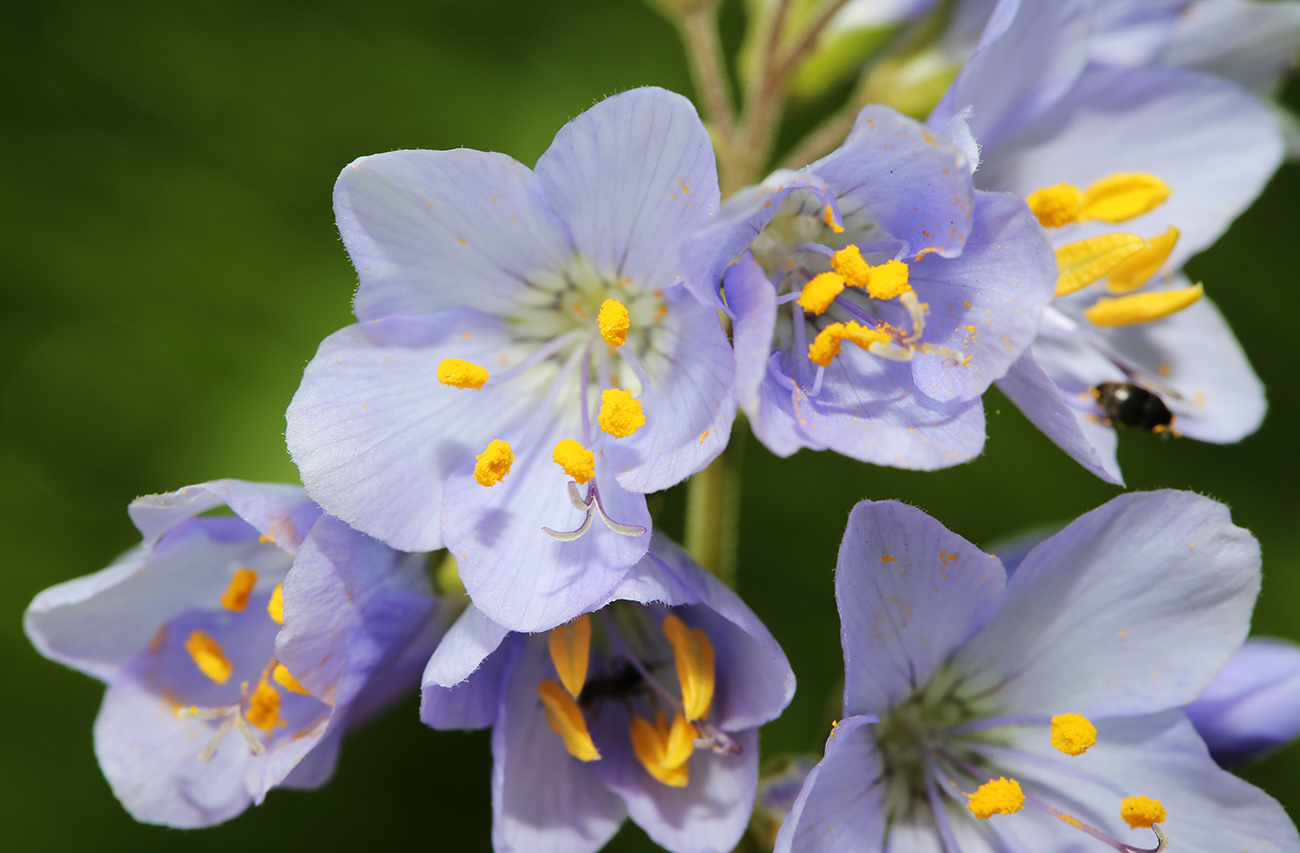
point(1133, 406)
point(619, 681)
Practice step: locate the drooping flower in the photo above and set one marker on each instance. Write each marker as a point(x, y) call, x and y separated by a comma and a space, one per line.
point(876, 295)
point(1130, 170)
point(1039, 712)
point(1253, 706)
point(235, 647)
point(524, 368)
point(648, 707)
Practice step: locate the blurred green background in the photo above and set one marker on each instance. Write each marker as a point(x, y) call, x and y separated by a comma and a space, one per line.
point(169, 264)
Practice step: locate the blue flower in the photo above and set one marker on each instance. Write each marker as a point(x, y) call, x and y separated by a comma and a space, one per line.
point(876, 295)
point(210, 701)
point(648, 707)
point(1021, 714)
point(1253, 706)
point(524, 369)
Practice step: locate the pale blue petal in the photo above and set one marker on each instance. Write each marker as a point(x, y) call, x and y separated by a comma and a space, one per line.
point(1253, 44)
point(1133, 33)
point(462, 681)
point(752, 298)
point(1253, 704)
point(278, 511)
point(842, 806)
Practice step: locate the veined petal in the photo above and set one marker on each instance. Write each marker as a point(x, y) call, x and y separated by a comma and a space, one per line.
point(1253, 704)
point(280, 512)
point(752, 300)
point(462, 682)
point(1252, 44)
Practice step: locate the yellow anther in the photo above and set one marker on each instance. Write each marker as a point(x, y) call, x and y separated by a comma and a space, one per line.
point(1080, 264)
point(577, 461)
point(1141, 812)
point(1073, 734)
point(236, 595)
point(693, 654)
point(1142, 307)
point(997, 796)
point(1056, 206)
point(283, 677)
point(208, 656)
point(663, 750)
point(493, 463)
point(865, 337)
point(1122, 196)
point(826, 345)
point(828, 216)
point(275, 607)
point(565, 719)
point(264, 707)
point(819, 293)
point(1134, 272)
point(613, 322)
point(461, 374)
point(620, 413)
point(888, 280)
point(570, 646)
point(849, 263)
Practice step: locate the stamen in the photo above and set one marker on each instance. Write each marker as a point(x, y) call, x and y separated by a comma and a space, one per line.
point(236, 595)
point(461, 374)
point(1123, 196)
point(493, 463)
point(208, 656)
point(570, 647)
point(264, 707)
point(620, 413)
point(577, 461)
point(819, 293)
point(613, 322)
point(1141, 812)
point(565, 719)
point(1142, 307)
point(1081, 263)
point(996, 796)
point(849, 263)
point(826, 345)
point(281, 676)
point(664, 751)
point(1134, 272)
point(1056, 206)
point(1073, 734)
point(888, 280)
point(828, 216)
point(693, 654)
point(275, 607)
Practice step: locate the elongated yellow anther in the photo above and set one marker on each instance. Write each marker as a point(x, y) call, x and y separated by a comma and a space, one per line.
point(1073, 734)
point(264, 707)
point(864, 336)
point(828, 216)
point(613, 322)
point(1141, 812)
point(620, 413)
point(1056, 206)
point(1122, 196)
point(565, 719)
point(275, 607)
point(235, 597)
point(826, 345)
point(819, 293)
point(693, 654)
point(1135, 272)
point(208, 656)
point(888, 280)
point(492, 465)
point(577, 461)
point(663, 750)
point(1081, 263)
point(849, 263)
point(1142, 307)
point(461, 374)
point(283, 677)
point(570, 646)
point(997, 796)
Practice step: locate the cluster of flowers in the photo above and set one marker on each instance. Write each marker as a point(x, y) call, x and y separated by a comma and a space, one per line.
point(538, 349)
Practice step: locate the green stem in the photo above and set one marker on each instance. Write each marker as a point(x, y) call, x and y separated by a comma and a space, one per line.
point(713, 510)
point(699, 31)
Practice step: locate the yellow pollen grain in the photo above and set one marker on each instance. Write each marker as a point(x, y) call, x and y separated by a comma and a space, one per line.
point(264, 707)
point(459, 373)
point(565, 719)
point(1081, 263)
point(997, 796)
point(577, 461)
point(275, 607)
point(1141, 812)
point(849, 263)
point(208, 656)
point(693, 654)
point(1122, 196)
point(1138, 269)
point(235, 597)
point(663, 750)
point(1142, 307)
point(828, 216)
point(492, 465)
point(620, 413)
point(1073, 734)
point(281, 676)
point(570, 647)
point(888, 280)
point(613, 322)
point(826, 345)
point(1056, 206)
point(819, 293)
